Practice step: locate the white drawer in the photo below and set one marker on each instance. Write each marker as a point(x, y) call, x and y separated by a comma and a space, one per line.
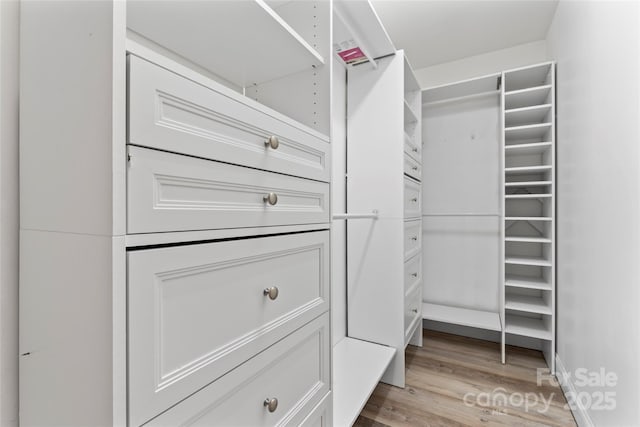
point(412, 167)
point(197, 311)
point(412, 238)
point(296, 371)
point(412, 199)
point(170, 192)
point(170, 112)
point(415, 151)
point(412, 273)
point(412, 312)
point(321, 415)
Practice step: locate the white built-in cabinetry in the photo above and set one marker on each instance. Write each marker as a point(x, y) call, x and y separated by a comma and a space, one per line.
point(175, 213)
point(383, 176)
point(528, 101)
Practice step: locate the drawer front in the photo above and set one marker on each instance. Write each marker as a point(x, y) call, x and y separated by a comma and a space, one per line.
point(412, 312)
point(412, 238)
point(170, 112)
point(415, 151)
point(170, 192)
point(412, 167)
point(412, 199)
point(295, 371)
point(321, 415)
point(412, 273)
point(198, 311)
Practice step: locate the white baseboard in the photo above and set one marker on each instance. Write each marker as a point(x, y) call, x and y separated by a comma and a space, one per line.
point(579, 412)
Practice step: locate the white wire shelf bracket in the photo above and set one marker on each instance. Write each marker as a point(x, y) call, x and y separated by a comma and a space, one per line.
point(372, 215)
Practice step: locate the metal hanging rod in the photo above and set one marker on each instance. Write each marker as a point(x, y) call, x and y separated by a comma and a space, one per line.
point(372, 215)
point(461, 214)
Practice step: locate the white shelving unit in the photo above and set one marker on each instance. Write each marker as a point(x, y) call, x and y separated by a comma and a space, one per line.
point(528, 295)
point(488, 320)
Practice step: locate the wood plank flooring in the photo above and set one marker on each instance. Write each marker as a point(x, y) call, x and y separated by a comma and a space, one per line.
point(459, 381)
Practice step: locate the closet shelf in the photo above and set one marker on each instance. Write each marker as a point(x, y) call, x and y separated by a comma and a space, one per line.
point(526, 132)
point(526, 303)
point(527, 184)
point(409, 115)
point(525, 170)
point(467, 89)
point(522, 260)
point(462, 316)
point(527, 218)
point(527, 282)
point(526, 326)
point(527, 97)
point(527, 196)
point(527, 239)
point(278, 52)
point(357, 369)
point(532, 148)
point(526, 115)
point(527, 76)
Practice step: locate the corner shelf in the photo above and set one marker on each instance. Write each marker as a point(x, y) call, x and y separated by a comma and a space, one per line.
point(462, 316)
point(527, 326)
point(278, 52)
point(357, 369)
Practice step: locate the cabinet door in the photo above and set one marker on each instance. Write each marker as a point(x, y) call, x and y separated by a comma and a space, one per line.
point(198, 311)
point(295, 371)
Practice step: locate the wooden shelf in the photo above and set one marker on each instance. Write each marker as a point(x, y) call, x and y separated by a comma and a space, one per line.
point(212, 25)
point(527, 282)
point(462, 316)
point(532, 148)
point(357, 369)
point(409, 115)
point(527, 196)
point(526, 303)
point(526, 132)
point(527, 218)
point(527, 184)
point(527, 115)
point(521, 260)
point(527, 239)
point(527, 170)
point(526, 326)
point(527, 97)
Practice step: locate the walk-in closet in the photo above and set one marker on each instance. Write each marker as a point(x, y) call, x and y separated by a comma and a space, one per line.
point(367, 213)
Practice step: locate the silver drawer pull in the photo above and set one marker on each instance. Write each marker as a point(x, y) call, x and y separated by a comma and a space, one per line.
point(271, 292)
point(271, 198)
point(414, 238)
point(415, 150)
point(414, 200)
point(272, 142)
point(415, 310)
point(271, 404)
point(415, 168)
point(414, 274)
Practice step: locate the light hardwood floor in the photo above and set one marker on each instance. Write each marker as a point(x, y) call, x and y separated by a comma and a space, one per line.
point(458, 381)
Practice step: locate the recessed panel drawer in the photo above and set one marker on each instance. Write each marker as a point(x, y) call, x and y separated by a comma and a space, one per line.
point(412, 238)
point(172, 113)
point(198, 311)
point(412, 199)
point(412, 272)
point(170, 192)
point(412, 312)
point(279, 386)
point(412, 167)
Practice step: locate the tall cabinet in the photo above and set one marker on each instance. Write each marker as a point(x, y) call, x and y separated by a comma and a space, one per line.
point(175, 213)
point(528, 100)
point(383, 175)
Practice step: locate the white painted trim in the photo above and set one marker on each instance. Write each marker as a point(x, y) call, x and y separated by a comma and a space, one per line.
point(580, 413)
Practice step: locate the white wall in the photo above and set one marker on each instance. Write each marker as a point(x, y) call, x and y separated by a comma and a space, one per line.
point(481, 65)
point(9, 33)
point(596, 45)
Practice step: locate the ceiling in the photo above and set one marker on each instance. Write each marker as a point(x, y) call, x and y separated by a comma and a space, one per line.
point(435, 31)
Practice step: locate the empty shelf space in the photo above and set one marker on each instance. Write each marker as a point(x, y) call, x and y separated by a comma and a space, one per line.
point(278, 52)
point(527, 97)
point(462, 316)
point(526, 184)
point(527, 196)
point(481, 86)
point(526, 170)
point(530, 304)
point(409, 115)
point(527, 282)
point(357, 369)
point(525, 260)
point(528, 218)
point(527, 239)
point(537, 131)
point(528, 76)
point(526, 326)
point(527, 115)
point(532, 148)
